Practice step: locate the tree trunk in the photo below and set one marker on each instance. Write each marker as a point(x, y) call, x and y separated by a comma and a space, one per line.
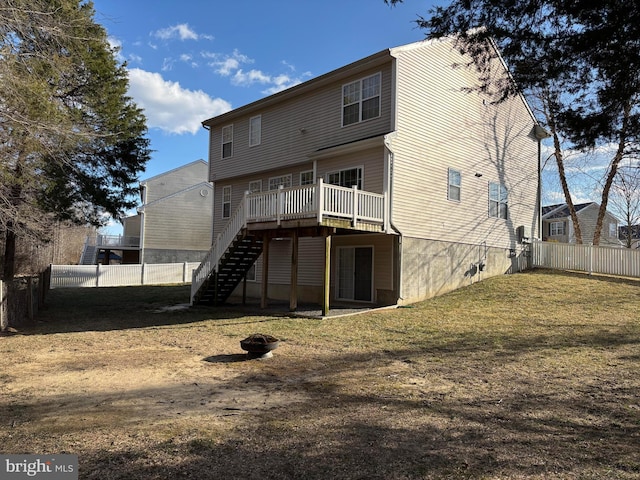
point(613, 171)
point(565, 188)
point(546, 99)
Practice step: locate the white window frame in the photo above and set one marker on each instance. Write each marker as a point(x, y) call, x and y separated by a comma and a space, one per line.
point(358, 93)
point(454, 187)
point(255, 130)
point(226, 201)
point(556, 229)
point(498, 201)
point(227, 139)
point(255, 186)
point(275, 182)
point(304, 181)
point(613, 230)
point(360, 169)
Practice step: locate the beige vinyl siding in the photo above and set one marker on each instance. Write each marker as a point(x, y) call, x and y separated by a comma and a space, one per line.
point(310, 262)
point(588, 218)
point(382, 259)
point(175, 180)
point(181, 221)
point(371, 161)
point(131, 226)
point(296, 128)
point(440, 126)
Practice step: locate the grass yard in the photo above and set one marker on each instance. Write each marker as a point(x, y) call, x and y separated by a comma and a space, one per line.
point(527, 376)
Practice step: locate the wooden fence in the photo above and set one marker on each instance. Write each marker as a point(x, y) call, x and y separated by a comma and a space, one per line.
point(21, 299)
point(623, 262)
point(74, 276)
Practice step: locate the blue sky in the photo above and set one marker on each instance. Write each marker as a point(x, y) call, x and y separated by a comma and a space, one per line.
point(192, 60)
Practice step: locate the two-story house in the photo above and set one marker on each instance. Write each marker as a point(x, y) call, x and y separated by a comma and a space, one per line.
point(174, 222)
point(386, 181)
point(557, 225)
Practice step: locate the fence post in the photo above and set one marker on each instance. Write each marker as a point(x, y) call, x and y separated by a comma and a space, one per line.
point(279, 203)
point(355, 205)
point(184, 272)
point(3, 321)
point(320, 199)
point(30, 313)
point(590, 251)
point(142, 274)
point(98, 275)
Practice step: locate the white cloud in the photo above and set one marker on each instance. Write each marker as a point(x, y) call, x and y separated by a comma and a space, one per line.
point(249, 78)
point(231, 66)
point(170, 107)
point(181, 31)
point(224, 64)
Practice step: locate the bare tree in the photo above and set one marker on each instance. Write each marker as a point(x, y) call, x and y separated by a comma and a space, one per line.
point(625, 199)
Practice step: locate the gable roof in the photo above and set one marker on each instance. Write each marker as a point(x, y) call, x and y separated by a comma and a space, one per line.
point(561, 210)
point(181, 167)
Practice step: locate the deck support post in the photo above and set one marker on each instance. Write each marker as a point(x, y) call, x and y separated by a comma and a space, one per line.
point(327, 274)
point(264, 302)
point(293, 292)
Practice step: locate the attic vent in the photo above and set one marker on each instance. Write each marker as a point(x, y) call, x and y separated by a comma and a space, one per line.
point(204, 192)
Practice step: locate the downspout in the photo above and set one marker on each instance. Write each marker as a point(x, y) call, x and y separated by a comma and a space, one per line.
point(390, 166)
point(389, 180)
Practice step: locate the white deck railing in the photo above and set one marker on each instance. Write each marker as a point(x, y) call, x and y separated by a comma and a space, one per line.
point(308, 201)
point(113, 241)
point(319, 201)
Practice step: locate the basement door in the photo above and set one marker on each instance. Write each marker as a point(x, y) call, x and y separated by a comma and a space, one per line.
point(355, 273)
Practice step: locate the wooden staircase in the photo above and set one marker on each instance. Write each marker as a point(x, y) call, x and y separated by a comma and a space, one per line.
point(233, 265)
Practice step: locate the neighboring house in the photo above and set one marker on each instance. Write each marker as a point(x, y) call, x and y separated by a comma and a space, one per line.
point(174, 223)
point(386, 181)
point(633, 234)
point(558, 227)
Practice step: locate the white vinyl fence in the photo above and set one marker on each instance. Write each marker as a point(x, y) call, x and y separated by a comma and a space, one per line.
point(70, 276)
point(624, 262)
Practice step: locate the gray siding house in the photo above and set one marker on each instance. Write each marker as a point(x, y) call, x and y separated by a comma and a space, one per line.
point(174, 223)
point(386, 181)
point(558, 227)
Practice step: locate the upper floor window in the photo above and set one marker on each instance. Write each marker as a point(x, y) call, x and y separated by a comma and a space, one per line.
point(226, 201)
point(361, 100)
point(346, 178)
point(454, 185)
point(498, 200)
point(275, 182)
point(613, 230)
point(227, 141)
point(556, 228)
point(255, 186)
point(255, 130)
point(306, 178)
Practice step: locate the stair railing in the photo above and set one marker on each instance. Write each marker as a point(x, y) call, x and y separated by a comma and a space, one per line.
point(222, 242)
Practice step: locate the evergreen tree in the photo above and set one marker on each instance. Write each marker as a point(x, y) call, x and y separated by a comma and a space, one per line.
point(72, 143)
